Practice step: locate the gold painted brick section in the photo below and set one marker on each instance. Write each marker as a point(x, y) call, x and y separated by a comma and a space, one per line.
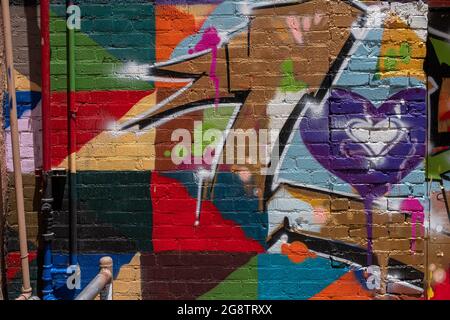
point(128, 273)
point(127, 287)
point(377, 232)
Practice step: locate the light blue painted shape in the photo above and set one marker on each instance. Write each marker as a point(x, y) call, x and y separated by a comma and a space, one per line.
point(281, 279)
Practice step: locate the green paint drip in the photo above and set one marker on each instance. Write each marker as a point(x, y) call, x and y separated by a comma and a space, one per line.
point(405, 52)
point(242, 284)
point(289, 83)
point(390, 64)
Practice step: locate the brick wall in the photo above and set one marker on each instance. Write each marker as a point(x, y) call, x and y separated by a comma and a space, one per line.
point(31, 189)
point(352, 202)
point(2, 175)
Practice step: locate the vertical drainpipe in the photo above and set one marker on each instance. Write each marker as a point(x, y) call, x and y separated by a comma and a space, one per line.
point(26, 284)
point(47, 199)
point(45, 86)
point(72, 132)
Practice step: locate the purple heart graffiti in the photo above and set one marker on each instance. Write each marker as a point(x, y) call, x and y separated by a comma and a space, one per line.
point(370, 148)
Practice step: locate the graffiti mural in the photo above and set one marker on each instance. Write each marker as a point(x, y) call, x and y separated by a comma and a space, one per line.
point(438, 152)
point(256, 149)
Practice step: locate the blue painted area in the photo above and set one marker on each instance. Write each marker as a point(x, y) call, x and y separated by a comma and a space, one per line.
point(26, 100)
point(300, 167)
point(281, 279)
point(233, 202)
point(360, 277)
point(436, 187)
point(351, 78)
point(89, 269)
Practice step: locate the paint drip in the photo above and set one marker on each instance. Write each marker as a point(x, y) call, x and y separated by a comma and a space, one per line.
point(415, 208)
point(210, 41)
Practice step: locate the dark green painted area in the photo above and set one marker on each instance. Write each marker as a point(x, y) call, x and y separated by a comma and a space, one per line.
point(437, 165)
point(126, 30)
point(112, 34)
point(114, 212)
point(442, 49)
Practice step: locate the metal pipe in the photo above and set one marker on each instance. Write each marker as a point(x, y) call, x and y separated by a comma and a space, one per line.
point(444, 195)
point(72, 131)
point(101, 284)
point(45, 82)
point(47, 199)
point(26, 285)
point(47, 237)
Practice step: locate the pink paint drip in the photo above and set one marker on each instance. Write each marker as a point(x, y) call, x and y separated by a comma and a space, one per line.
point(415, 208)
point(210, 40)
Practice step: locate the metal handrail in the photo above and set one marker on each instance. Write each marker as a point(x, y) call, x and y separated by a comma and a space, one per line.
point(101, 284)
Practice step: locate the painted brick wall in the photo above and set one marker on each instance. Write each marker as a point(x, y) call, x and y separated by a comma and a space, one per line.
point(354, 201)
point(2, 178)
point(437, 67)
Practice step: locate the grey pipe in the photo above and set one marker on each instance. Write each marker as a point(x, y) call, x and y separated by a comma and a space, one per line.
point(101, 284)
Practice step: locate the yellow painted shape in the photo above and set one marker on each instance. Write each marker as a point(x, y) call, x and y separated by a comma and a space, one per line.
point(23, 83)
point(127, 284)
point(200, 12)
point(430, 292)
point(316, 203)
point(396, 32)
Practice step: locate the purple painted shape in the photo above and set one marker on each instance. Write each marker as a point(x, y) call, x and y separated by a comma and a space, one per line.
point(364, 163)
point(370, 148)
point(415, 208)
point(210, 40)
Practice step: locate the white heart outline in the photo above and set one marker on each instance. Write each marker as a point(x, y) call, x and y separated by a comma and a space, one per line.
point(368, 124)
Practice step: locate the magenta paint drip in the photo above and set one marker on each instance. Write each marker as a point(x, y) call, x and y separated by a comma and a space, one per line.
point(210, 40)
point(415, 208)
